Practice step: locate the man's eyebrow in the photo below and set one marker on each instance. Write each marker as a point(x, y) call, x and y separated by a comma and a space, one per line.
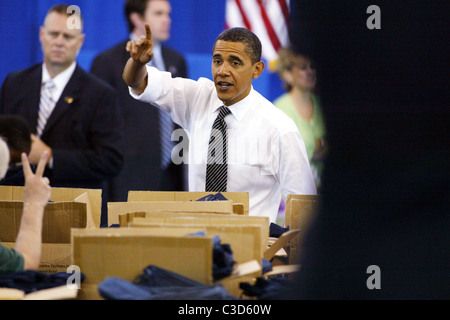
point(217, 55)
point(236, 58)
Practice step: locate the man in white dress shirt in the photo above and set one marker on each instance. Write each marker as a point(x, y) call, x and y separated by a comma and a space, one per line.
point(265, 154)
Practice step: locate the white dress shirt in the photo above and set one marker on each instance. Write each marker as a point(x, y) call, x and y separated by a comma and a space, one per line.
point(60, 82)
point(266, 154)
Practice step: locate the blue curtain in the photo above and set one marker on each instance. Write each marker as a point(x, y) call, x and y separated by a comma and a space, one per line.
point(195, 26)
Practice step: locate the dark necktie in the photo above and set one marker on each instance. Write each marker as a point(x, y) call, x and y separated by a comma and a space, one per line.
point(217, 167)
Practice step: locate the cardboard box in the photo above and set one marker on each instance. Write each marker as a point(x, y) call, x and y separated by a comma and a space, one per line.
point(245, 240)
point(92, 198)
point(204, 219)
point(300, 209)
point(126, 252)
point(240, 199)
point(115, 209)
point(71, 208)
point(300, 212)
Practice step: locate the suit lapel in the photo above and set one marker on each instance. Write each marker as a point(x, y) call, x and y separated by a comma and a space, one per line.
point(33, 98)
point(67, 100)
point(168, 62)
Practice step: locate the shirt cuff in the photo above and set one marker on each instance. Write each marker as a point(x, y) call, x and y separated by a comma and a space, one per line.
point(154, 87)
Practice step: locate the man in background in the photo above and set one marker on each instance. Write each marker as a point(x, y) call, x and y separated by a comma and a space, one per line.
point(72, 114)
point(148, 131)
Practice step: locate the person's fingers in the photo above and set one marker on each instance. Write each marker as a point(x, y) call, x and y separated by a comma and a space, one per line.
point(148, 32)
point(46, 180)
point(149, 54)
point(41, 165)
point(128, 47)
point(26, 166)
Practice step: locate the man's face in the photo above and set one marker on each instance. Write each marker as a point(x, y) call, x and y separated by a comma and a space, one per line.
point(157, 15)
point(233, 71)
point(60, 45)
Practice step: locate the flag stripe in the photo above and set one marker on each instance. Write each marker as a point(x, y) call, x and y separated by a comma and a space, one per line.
point(285, 10)
point(268, 19)
point(244, 16)
point(272, 35)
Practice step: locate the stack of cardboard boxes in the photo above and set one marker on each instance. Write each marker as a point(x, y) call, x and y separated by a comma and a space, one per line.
point(152, 228)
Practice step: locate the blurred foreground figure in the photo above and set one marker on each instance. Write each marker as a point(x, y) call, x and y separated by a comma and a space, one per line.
point(383, 227)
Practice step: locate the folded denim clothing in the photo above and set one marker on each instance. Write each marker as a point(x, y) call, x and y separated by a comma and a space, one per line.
point(276, 230)
point(223, 261)
point(266, 266)
point(154, 276)
point(213, 197)
point(267, 289)
point(31, 281)
point(159, 284)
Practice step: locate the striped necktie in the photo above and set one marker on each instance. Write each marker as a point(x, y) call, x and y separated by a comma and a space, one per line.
point(46, 106)
point(217, 166)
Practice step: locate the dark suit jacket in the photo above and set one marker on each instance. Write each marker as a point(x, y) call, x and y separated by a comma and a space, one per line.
point(142, 137)
point(84, 130)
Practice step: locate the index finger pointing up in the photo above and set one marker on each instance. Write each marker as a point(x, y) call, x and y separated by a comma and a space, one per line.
point(148, 31)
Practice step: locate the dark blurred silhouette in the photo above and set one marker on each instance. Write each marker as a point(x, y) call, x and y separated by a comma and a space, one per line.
point(386, 194)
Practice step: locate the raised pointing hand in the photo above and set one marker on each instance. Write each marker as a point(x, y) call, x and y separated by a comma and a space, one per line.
point(141, 49)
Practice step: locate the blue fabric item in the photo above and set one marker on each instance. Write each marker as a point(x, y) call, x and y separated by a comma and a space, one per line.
point(267, 289)
point(223, 261)
point(31, 281)
point(276, 231)
point(213, 197)
point(154, 276)
point(159, 284)
point(266, 266)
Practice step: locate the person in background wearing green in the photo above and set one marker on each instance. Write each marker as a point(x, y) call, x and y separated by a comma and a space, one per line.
point(302, 105)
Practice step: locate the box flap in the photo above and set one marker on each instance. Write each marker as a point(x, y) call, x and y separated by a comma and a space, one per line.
point(283, 241)
point(236, 197)
point(117, 208)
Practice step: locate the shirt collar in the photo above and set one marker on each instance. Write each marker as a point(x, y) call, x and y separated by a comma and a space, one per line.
point(61, 79)
point(239, 109)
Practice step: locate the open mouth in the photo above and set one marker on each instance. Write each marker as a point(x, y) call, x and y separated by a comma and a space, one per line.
point(224, 85)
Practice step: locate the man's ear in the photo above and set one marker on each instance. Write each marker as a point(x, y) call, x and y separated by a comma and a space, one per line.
point(41, 33)
point(137, 20)
point(258, 69)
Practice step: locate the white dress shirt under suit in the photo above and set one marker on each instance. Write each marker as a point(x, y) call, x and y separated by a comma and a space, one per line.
point(266, 154)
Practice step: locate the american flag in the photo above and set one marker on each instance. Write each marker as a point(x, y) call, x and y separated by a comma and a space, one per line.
point(268, 19)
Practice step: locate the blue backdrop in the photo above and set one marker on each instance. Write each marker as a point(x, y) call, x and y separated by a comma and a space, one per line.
point(195, 26)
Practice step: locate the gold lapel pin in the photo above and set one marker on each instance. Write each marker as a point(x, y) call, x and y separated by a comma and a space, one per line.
point(69, 100)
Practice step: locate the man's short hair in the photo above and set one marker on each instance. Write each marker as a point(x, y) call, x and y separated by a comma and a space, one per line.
point(136, 6)
point(252, 43)
point(17, 133)
point(63, 9)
